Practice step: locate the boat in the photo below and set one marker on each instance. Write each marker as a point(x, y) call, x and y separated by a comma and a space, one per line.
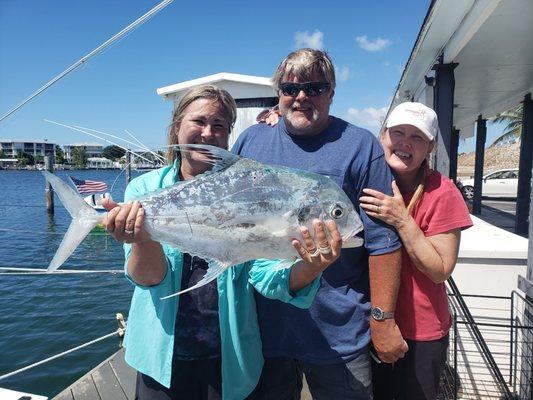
point(7, 394)
point(94, 200)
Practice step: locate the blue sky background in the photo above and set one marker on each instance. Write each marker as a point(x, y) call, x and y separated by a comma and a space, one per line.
point(369, 43)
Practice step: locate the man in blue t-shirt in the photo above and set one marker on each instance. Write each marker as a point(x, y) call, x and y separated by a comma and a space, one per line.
point(329, 342)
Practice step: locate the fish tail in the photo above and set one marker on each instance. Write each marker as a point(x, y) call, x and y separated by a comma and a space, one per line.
point(84, 219)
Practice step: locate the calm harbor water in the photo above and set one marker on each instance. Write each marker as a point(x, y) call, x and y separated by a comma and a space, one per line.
point(44, 315)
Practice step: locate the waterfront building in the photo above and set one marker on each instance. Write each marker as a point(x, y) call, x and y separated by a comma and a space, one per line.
point(7, 163)
point(100, 163)
point(13, 148)
point(91, 149)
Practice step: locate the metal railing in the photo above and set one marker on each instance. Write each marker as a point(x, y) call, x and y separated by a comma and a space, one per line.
point(521, 339)
point(491, 347)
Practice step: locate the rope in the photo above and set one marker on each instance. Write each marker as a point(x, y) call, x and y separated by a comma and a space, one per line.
point(86, 58)
point(23, 205)
point(46, 233)
point(43, 271)
point(119, 331)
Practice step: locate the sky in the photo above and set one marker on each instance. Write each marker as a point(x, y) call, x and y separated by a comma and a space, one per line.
point(369, 42)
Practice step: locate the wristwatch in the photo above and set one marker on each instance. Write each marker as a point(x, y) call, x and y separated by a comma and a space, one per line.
point(379, 315)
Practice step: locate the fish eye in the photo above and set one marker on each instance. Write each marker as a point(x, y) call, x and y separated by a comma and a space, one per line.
point(337, 211)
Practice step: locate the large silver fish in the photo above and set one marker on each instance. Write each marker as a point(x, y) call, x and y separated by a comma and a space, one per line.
point(238, 211)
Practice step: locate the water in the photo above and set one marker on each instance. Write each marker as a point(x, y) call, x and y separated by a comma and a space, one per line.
point(43, 315)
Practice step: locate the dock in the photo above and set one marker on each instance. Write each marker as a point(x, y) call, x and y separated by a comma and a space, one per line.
point(112, 379)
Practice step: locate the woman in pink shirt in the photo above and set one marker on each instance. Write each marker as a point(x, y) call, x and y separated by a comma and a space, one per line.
point(429, 213)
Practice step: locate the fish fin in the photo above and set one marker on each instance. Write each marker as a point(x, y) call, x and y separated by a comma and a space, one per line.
point(84, 219)
point(217, 157)
point(214, 270)
point(283, 264)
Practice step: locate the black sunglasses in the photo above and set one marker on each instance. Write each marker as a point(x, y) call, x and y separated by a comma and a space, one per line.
point(312, 89)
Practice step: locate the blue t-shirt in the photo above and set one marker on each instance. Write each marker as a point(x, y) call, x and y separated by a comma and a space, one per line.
point(335, 328)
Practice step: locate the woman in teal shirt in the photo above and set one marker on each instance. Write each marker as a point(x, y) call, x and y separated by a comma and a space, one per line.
point(204, 344)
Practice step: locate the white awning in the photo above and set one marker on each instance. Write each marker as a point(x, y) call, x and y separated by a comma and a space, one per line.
point(491, 40)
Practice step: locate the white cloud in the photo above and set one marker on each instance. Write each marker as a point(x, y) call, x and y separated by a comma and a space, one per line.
point(367, 117)
point(386, 63)
point(342, 73)
point(372, 45)
point(314, 40)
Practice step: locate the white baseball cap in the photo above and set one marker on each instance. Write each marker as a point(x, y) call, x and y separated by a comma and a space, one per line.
point(417, 115)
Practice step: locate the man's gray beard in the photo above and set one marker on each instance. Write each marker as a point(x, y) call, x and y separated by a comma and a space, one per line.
point(288, 116)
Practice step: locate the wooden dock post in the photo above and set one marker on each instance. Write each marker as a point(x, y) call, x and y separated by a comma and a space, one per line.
point(48, 191)
point(128, 166)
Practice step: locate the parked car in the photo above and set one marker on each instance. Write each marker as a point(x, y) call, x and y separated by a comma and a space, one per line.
point(501, 183)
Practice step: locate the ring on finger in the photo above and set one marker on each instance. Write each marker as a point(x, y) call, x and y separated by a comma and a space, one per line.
point(378, 209)
point(128, 232)
point(314, 253)
point(324, 249)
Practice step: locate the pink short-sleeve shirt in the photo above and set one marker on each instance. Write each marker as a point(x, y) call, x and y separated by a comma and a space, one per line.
point(422, 311)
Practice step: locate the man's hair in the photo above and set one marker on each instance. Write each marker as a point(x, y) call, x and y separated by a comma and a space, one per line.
point(207, 92)
point(302, 64)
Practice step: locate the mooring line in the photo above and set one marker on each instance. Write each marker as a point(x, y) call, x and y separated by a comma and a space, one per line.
point(43, 271)
point(119, 331)
point(46, 233)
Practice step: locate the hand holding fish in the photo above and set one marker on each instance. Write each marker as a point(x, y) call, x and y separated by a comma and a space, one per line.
point(125, 222)
point(389, 209)
point(316, 253)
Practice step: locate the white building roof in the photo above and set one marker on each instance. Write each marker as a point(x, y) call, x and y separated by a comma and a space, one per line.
point(491, 42)
point(84, 144)
point(25, 141)
point(238, 85)
point(99, 159)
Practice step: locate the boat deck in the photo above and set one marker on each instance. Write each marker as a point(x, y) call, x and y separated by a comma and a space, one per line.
point(113, 379)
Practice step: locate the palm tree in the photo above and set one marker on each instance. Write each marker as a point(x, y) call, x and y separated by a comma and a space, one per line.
point(513, 119)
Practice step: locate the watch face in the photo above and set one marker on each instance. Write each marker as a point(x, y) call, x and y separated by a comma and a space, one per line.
point(377, 313)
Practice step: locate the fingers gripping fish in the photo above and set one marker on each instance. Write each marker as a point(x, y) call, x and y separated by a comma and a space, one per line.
point(238, 211)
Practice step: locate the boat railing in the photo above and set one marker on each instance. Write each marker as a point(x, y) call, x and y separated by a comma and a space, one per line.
point(491, 347)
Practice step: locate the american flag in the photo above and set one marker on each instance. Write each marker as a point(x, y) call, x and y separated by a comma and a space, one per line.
point(85, 186)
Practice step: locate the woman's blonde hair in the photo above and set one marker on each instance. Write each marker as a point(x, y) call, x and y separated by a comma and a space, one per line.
point(208, 92)
point(423, 173)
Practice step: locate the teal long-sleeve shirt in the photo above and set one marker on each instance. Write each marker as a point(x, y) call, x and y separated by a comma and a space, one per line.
point(149, 339)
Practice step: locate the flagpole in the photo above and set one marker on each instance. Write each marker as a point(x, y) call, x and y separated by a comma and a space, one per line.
point(74, 183)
